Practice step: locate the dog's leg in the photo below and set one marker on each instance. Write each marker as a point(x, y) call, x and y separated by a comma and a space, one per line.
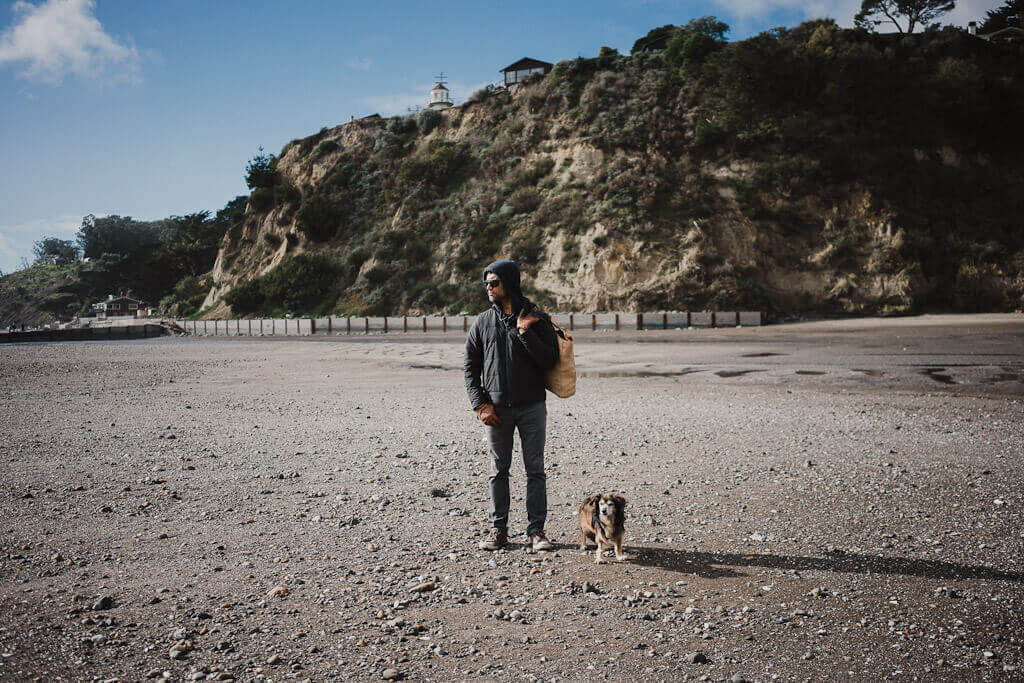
point(583, 540)
point(619, 554)
point(598, 559)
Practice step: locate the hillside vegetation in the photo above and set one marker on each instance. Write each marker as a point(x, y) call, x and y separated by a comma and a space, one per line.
point(810, 169)
point(35, 296)
point(164, 263)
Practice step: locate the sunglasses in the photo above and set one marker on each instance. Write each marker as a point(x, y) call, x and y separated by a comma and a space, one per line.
point(491, 284)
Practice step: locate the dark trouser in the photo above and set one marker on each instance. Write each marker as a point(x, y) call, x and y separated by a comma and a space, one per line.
point(532, 422)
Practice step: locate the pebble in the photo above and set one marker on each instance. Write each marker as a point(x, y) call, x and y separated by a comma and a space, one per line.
point(180, 649)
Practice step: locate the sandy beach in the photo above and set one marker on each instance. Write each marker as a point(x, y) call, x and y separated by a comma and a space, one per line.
point(808, 501)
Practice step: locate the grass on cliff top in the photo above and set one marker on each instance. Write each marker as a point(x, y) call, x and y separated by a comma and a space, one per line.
point(32, 295)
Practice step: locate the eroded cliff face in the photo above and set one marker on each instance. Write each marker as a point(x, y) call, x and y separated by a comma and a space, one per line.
point(608, 204)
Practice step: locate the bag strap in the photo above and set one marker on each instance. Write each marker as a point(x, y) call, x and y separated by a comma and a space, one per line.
point(559, 330)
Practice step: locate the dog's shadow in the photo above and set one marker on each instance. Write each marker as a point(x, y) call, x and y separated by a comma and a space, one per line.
point(723, 565)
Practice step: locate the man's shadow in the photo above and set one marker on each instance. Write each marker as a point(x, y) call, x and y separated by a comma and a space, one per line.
point(721, 565)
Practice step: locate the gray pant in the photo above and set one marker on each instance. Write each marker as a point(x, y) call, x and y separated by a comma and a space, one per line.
point(532, 422)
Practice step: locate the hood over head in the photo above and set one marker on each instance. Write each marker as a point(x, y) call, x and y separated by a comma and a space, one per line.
point(508, 272)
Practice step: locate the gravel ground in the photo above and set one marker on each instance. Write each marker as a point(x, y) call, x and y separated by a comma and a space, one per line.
point(828, 500)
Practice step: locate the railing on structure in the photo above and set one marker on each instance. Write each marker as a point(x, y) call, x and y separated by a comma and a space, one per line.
point(280, 327)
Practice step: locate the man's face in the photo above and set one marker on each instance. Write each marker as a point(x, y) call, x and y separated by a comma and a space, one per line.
point(495, 290)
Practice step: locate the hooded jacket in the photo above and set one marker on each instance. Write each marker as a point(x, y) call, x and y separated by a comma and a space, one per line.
point(502, 366)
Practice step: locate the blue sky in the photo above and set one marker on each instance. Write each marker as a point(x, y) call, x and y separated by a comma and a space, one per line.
point(151, 108)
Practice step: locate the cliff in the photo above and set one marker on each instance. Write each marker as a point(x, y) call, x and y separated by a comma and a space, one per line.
point(804, 170)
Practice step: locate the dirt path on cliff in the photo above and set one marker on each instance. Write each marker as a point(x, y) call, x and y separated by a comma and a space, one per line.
point(830, 500)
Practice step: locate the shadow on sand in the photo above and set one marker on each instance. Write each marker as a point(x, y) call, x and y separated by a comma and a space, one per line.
point(721, 565)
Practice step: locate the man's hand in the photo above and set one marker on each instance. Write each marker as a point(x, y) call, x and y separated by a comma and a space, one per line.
point(488, 416)
point(523, 322)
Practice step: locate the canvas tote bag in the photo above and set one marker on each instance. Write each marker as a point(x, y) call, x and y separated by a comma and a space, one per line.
point(561, 379)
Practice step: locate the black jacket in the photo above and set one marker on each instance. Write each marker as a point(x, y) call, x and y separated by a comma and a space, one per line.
point(502, 366)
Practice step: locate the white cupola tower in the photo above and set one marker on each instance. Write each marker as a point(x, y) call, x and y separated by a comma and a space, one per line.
point(439, 98)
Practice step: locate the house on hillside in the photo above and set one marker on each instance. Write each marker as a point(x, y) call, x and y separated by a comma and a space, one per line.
point(517, 72)
point(1010, 34)
point(117, 306)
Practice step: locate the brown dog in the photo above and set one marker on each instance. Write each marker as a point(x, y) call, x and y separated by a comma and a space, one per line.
point(603, 519)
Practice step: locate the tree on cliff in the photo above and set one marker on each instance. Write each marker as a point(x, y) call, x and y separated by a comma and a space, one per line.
point(261, 171)
point(912, 13)
point(118, 235)
point(62, 251)
point(691, 44)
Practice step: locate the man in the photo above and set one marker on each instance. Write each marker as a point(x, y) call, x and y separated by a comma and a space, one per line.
point(508, 349)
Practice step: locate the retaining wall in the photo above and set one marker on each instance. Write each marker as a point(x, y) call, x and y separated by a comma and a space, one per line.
point(657, 320)
point(85, 333)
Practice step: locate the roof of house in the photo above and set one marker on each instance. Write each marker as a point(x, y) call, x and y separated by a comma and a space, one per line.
point(1004, 33)
point(527, 63)
point(440, 86)
point(120, 298)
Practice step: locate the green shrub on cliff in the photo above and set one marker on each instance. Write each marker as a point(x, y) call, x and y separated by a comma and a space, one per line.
point(286, 193)
point(317, 218)
point(442, 164)
point(262, 199)
point(427, 120)
point(324, 148)
point(301, 284)
point(187, 296)
point(246, 298)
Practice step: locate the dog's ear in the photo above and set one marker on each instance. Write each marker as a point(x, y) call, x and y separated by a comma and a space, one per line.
point(592, 500)
point(620, 502)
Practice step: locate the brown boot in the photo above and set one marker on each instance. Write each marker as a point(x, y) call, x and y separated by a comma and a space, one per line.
point(495, 541)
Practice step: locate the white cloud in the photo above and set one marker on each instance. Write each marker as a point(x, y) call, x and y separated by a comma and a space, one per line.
point(418, 96)
point(62, 37)
point(16, 240)
point(390, 105)
point(360, 63)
